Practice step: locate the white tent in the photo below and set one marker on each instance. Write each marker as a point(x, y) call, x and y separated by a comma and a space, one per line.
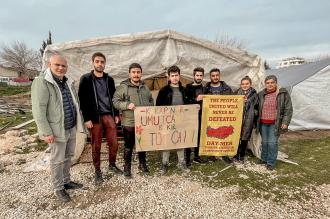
point(309, 86)
point(156, 51)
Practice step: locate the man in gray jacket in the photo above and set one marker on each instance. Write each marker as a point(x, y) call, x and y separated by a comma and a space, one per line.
point(56, 112)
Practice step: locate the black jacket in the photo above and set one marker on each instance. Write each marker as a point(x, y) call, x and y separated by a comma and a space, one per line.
point(192, 92)
point(226, 90)
point(88, 98)
point(165, 95)
point(250, 113)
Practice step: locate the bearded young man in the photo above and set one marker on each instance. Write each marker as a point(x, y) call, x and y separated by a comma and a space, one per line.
point(95, 93)
point(194, 93)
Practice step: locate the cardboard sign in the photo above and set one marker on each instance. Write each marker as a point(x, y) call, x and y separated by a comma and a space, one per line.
point(221, 124)
point(166, 127)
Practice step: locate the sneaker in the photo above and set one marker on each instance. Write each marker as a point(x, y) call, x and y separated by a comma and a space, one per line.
point(98, 179)
point(270, 167)
point(198, 160)
point(183, 167)
point(163, 169)
point(113, 168)
point(143, 167)
point(62, 195)
point(72, 185)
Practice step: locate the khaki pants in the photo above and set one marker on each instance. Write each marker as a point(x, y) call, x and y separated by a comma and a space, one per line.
point(60, 159)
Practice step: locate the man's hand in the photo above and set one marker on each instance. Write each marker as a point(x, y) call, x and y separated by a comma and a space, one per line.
point(49, 139)
point(199, 97)
point(89, 124)
point(131, 106)
point(117, 119)
point(284, 126)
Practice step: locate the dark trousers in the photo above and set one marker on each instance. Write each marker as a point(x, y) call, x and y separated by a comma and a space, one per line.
point(241, 149)
point(107, 124)
point(129, 139)
point(196, 149)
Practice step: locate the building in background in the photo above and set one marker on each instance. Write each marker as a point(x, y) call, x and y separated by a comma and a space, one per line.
point(290, 62)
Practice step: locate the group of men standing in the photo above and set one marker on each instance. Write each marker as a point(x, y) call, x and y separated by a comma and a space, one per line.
point(56, 109)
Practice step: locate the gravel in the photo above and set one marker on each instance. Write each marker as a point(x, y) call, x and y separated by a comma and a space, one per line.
point(28, 195)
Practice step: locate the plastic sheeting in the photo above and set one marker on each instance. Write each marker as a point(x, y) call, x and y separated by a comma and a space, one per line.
point(156, 51)
point(311, 102)
point(309, 86)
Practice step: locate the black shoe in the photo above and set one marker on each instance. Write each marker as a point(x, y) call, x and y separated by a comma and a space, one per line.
point(212, 159)
point(163, 169)
point(188, 163)
point(270, 167)
point(62, 195)
point(98, 179)
point(261, 162)
point(143, 167)
point(73, 185)
point(242, 160)
point(113, 168)
point(198, 160)
point(127, 171)
point(227, 160)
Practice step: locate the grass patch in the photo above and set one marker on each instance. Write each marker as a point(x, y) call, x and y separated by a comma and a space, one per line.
point(6, 90)
point(14, 119)
point(288, 182)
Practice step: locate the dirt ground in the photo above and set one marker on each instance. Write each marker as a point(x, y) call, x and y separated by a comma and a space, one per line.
point(305, 135)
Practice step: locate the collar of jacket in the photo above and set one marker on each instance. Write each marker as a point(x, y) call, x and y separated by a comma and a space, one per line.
point(278, 90)
point(191, 85)
point(180, 85)
point(129, 83)
point(222, 84)
point(105, 75)
point(50, 79)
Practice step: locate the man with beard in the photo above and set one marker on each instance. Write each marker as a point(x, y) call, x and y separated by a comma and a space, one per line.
point(96, 90)
point(130, 94)
point(194, 93)
point(217, 87)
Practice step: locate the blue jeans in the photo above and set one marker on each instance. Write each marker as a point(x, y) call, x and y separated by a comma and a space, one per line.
point(269, 144)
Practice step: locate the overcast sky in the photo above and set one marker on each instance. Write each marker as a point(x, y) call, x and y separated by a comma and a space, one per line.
point(271, 29)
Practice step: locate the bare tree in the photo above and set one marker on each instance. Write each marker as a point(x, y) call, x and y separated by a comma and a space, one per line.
point(230, 42)
point(19, 57)
point(319, 57)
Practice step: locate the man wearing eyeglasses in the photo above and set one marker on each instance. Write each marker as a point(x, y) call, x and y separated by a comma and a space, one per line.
point(56, 112)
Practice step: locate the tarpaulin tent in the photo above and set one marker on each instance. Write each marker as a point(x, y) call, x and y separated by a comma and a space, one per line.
point(156, 51)
point(309, 86)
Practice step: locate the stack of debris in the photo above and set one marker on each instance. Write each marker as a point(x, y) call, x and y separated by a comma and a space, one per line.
point(17, 141)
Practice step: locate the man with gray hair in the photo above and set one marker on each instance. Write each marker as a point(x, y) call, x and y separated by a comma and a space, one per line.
point(55, 110)
point(275, 112)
